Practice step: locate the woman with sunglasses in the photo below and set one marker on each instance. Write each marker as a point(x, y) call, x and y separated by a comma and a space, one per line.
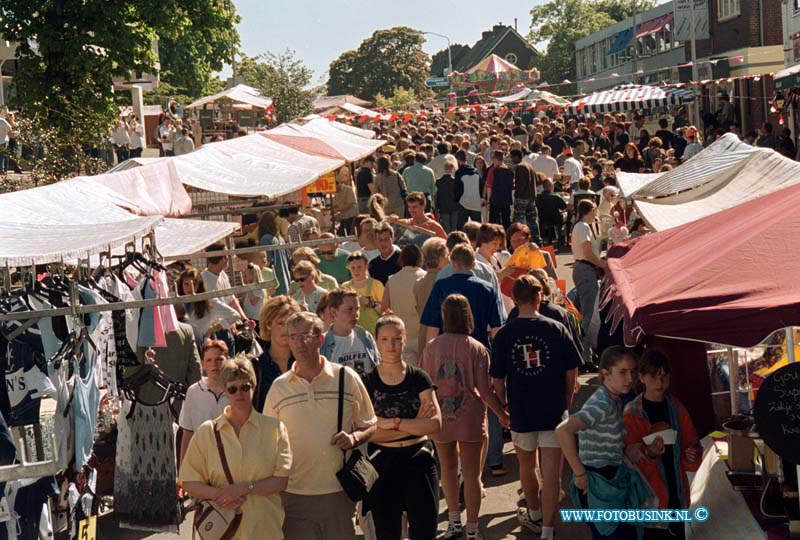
point(308, 292)
point(257, 449)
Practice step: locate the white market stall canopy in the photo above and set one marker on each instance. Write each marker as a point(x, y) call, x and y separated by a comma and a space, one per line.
point(631, 98)
point(351, 150)
point(327, 102)
point(241, 93)
point(25, 244)
point(76, 219)
point(763, 172)
point(726, 153)
point(251, 166)
point(327, 128)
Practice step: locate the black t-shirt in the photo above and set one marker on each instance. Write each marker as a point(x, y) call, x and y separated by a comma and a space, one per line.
point(557, 313)
point(534, 354)
point(680, 144)
point(381, 269)
point(401, 400)
point(502, 186)
point(267, 371)
point(556, 144)
point(363, 180)
point(603, 143)
point(659, 412)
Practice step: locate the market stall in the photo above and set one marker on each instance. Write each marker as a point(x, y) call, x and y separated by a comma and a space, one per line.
point(709, 286)
point(493, 73)
point(631, 98)
point(239, 107)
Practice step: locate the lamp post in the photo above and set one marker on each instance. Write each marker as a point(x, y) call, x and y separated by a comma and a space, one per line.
point(449, 56)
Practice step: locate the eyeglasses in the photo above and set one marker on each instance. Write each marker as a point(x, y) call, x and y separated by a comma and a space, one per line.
point(305, 338)
point(244, 387)
point(327, 253)
point(301, 279)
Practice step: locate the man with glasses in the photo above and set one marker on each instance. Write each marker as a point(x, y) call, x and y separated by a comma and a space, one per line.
point(332, 258)
point(346, 343)
point(303, 399)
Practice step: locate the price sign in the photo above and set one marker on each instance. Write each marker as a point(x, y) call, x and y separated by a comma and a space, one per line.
point(777, 412)
point(87, 529)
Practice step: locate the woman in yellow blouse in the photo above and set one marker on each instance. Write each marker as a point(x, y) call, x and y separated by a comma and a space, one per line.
point(258, 454)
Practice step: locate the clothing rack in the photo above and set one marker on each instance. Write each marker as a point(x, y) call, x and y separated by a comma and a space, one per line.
point(118, 306)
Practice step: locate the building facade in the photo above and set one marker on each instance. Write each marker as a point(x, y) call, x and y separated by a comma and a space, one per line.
point(608, 58)
point(744, 48)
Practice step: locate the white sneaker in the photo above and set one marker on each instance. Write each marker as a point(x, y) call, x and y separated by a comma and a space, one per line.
point(526, 521)
point(454, 530)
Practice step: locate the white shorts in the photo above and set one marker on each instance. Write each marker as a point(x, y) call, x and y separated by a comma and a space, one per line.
point(532, 440)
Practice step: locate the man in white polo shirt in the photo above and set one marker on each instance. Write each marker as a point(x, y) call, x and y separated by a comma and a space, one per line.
point(305, 399)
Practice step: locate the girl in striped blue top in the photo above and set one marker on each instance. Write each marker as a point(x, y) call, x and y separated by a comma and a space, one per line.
point(602, 480)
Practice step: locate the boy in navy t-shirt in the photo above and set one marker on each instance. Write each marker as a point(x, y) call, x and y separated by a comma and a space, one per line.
point(535, 363)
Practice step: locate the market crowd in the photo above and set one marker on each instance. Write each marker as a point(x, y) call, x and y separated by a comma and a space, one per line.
point(426, 357)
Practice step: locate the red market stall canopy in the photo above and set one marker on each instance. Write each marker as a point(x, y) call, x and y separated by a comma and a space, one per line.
point(241, 93)
point(729, 278)
point(493, 69)
point(631, 98)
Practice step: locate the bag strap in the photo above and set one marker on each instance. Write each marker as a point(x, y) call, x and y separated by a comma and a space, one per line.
point(340, 415)
point(222, 457)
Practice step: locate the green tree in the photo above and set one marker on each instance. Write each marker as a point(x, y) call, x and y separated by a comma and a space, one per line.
point(561, 23)
point(389, 58)
point(189, 59)
point(400, 100)
point(282, 77)
point(69, 51)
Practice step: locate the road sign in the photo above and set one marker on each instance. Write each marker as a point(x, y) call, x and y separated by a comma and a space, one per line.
point(433, 82)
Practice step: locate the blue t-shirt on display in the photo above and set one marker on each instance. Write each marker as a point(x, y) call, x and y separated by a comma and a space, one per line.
point(485, 311)
point(534, 354)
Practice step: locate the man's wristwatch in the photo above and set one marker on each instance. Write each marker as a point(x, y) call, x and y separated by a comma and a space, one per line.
point(250, 487)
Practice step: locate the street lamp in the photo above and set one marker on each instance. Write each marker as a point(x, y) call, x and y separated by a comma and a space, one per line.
point(449, 56)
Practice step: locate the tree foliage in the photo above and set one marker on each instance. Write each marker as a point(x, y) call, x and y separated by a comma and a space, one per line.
point(561, 23)
point(400, 100)
point(69, 51)
point(189, 59)
point(282, 77)
point(388, 59)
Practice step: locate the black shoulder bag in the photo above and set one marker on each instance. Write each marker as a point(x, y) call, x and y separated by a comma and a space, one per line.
point(357, 476)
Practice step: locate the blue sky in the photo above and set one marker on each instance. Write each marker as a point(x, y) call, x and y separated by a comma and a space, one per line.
point(320, 30)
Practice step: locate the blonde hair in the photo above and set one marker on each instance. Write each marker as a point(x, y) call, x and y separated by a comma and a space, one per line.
point(273, 310)
point(306, 252)
point(237, 368)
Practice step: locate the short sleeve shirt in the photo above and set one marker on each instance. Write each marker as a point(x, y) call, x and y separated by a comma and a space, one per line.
point(482, 301)
point(603, 441)
point(399, 400)
point(200, 406)
point(309, 411)
point(533, 355)
point(261, 450)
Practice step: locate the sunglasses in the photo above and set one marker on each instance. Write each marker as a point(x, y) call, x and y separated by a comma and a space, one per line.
point(301, 279)
point(327, 253)
point(244, 387)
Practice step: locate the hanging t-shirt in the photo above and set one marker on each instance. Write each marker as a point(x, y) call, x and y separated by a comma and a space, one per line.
point(350, 351)
point(26, 383)
point(534, 354)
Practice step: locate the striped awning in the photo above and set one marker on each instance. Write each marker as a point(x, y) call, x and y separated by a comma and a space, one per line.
point(631, 98)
